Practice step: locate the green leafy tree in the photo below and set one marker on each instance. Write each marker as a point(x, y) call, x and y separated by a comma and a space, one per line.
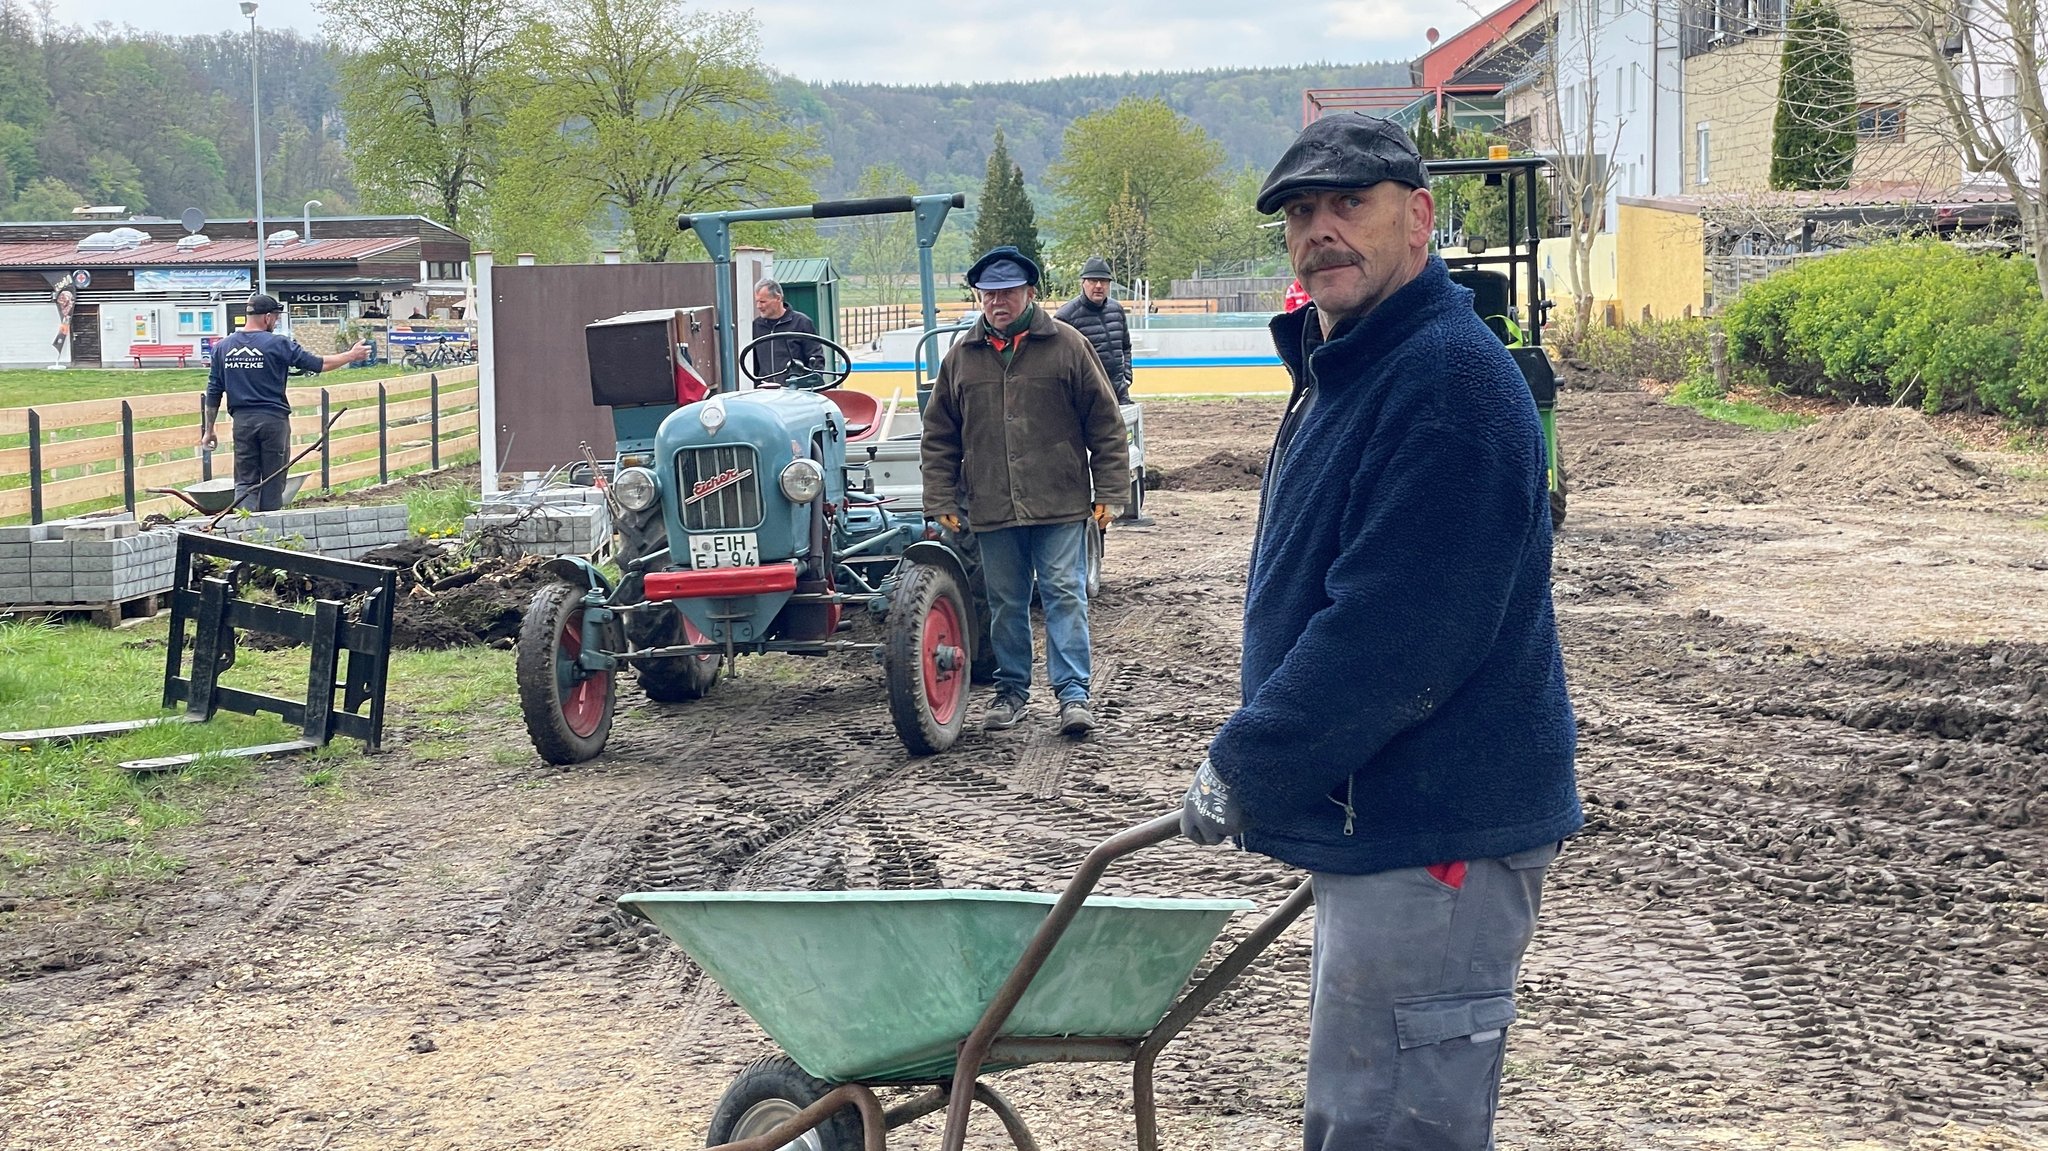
point(881, 250)
point(45, 199)
point(1124, 239)
point(1813, 140)
point(667, 111)
point(1004, 213)
point(426, 98)
point(1167, 164)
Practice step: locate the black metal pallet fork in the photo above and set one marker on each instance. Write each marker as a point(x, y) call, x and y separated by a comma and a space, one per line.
point(210, 602)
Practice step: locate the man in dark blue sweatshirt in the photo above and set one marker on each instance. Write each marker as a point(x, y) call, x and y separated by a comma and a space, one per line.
point(249, 370)
point(1405, 734)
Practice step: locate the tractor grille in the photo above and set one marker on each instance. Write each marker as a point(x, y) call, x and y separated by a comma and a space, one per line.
point(729, 481)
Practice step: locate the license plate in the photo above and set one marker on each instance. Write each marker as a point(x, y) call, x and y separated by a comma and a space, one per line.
point(734, 550)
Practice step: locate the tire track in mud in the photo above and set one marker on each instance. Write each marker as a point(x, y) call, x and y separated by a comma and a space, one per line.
point(1822, 853)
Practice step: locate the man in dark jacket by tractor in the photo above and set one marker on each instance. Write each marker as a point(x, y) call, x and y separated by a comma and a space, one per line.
point(1020, 432)
point(1405, 734)
point(1097, 316)
point(784, 362)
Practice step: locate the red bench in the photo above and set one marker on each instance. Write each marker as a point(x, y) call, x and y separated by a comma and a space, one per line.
point(139, 352)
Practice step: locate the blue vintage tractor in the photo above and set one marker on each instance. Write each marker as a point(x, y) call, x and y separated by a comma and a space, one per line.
point(746, 523)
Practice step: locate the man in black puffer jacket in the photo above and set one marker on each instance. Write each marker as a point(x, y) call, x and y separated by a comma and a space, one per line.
point(1101, 319)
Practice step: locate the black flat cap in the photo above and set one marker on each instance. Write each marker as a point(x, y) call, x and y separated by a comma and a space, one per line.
point(1003, 267)
point(1343, 150)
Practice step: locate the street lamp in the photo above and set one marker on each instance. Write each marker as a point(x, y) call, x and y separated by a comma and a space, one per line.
point(256, 122)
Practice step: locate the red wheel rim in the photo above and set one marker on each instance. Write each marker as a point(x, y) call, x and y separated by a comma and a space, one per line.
point(585, 701)
point(943, 687)
point(692, 635)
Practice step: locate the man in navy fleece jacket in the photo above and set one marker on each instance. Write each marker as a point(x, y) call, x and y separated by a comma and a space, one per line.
point(1405, 734)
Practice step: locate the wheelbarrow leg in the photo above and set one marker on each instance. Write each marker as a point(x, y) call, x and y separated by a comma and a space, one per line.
point(1192, 1004)
point(1013, 1123)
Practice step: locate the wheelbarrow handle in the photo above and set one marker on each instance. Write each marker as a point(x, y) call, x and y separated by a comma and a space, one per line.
point(974, 1050)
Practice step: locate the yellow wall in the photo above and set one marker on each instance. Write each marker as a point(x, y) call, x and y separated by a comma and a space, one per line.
point(1554, 258)
point(1660, 263)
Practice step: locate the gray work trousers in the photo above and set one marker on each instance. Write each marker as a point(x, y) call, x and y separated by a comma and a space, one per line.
point(263, 442)
point(1413, 984)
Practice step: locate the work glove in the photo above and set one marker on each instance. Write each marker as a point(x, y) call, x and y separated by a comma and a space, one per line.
point(1102, 516)
point(952, 523)
point(1207, 815)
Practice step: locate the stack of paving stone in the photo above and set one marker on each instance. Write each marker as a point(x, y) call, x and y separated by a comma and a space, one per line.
point(549, 522)
point(98, 561)
point(342, 532)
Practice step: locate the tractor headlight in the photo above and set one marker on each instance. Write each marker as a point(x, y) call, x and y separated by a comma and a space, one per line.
point(802, 480)
point(635, 489)
point(712, 416)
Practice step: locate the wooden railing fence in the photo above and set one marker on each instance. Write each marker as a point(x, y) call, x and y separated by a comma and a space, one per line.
point(118, 449)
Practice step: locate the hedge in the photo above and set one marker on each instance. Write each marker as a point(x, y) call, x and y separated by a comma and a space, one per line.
point(1924, 321)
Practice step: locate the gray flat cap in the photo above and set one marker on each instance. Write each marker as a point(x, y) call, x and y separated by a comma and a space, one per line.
point(1343, 150)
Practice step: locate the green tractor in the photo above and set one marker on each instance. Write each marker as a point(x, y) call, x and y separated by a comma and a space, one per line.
point(1508, 292)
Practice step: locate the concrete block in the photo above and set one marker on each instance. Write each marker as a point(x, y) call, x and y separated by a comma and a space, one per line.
point(90, 549)
point(111, 530)
point(13, 551)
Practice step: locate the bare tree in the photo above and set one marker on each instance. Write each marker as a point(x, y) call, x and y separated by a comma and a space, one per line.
point(1985, 58)
point(1584, 160)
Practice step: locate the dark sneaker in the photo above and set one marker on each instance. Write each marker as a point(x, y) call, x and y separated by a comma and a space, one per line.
point(1005, 713)
point(1075, 718)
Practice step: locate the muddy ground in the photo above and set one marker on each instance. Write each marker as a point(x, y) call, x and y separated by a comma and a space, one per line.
point(1807, 910)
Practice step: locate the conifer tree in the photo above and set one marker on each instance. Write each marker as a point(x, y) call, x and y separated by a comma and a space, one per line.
point(1004, 213)
point(1813, 142)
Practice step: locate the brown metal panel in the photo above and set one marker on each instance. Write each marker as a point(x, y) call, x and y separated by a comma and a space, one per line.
point(542, 374)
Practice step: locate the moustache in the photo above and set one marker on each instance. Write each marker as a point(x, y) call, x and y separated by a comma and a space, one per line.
point(1328, 259)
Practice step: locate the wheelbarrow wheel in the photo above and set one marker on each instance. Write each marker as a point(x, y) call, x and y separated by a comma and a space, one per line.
point(930, 653)
point(678, 680)
point(769, 1092)
point(568, 710)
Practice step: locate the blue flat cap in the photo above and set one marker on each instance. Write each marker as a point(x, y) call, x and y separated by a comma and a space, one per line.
point(1003, 267)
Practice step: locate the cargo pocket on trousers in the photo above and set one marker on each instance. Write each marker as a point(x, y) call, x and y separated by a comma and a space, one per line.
point(1448, 1083)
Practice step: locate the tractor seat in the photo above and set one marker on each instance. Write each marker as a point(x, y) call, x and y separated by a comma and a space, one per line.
point(862, 411)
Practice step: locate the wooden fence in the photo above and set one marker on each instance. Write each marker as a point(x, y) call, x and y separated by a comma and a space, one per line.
point(95, 452)
point(859, 327)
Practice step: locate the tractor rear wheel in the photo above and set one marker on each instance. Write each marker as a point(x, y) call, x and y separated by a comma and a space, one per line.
point(568, 710)
point(681, 678)
point(929, 652)
point(768, 1093)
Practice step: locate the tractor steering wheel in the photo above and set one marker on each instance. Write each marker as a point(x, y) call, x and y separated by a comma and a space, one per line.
point(795, 373)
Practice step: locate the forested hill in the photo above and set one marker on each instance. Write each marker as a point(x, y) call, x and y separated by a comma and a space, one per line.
point(940, 135)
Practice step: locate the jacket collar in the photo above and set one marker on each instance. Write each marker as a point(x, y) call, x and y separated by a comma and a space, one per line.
point(1041, 324)
point(1370, 336)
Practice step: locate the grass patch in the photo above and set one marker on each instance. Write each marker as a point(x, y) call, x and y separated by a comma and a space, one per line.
point(439, 510)
point(1703, 397)
point(55, 675)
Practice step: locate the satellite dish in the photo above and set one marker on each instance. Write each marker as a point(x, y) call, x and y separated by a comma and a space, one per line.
point(193, 219)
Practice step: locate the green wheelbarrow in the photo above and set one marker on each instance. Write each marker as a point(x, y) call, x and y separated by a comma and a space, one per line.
point(937, 989)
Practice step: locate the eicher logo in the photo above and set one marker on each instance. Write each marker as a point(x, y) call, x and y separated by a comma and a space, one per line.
point(724, 479)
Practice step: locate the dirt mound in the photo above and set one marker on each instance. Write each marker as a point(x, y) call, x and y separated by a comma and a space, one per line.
point(480, 604)
point(1225, 471)
point(1866, 453)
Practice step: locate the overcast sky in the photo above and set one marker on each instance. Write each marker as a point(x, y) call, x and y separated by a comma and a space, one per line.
point(918, 41)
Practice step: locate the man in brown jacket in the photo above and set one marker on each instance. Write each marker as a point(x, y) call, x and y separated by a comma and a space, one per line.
point(1021, 432)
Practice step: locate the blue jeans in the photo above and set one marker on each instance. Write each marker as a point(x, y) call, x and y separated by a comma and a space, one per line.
point(1413, 991)
point(1054, 553)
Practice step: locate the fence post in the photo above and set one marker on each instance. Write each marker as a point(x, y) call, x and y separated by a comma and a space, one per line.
point(326, 441)
point(35, 467)
point(383, 440)
point(128, 456)
point(434, 421)
point(205, 457)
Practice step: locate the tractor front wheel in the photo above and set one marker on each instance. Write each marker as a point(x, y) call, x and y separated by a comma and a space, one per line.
point(568, 709)
point(929, 653)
